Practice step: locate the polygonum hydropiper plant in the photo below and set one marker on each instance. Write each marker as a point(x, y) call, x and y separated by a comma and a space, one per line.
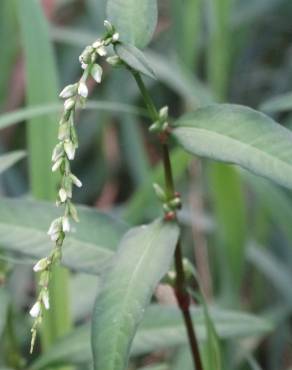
point(222, 132)
point(75, 95)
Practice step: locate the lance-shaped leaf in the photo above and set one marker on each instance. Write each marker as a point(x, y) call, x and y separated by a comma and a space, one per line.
point(143, 257)
point(23, 233)
point(134, 58)
point(239, 135)
point(135, 20)
point(9, 159)
point(4, 303)
point(161, 328)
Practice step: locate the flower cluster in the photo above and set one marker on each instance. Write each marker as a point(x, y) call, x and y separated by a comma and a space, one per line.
point(74, 95)
point(170, 203)
point(161, 124)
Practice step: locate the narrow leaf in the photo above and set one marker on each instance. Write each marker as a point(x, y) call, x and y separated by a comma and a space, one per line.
point(10, 118)
point(134, 58)
point(143, 257)
point(4, 301)
point(135, 20)
point(9, 159)
point(239, 135)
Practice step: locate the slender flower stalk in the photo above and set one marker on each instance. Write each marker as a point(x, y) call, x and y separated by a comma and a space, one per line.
point(74, 95)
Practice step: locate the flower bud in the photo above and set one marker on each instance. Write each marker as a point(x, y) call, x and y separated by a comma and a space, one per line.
point(163, 113)
point(82, 89)
point(41, 265)
point(101, 51)
point(96, 72)
point(45, 298)
point(62, 195)
point(114, 60)
point(57, 165)
point(69, 148)
point(65, 224)
point(75, 180)
point(35, 310)
point(57, 152)
point(115, 37)
point(55, 227)
point(68, 91)
point(69, 104)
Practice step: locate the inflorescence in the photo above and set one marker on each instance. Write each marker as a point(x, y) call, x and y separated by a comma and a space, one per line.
point(74, 96)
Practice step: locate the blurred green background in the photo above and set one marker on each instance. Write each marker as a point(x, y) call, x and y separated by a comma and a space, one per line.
point(237, 226)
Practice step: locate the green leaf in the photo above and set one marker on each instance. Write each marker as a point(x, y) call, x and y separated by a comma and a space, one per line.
point(9, 159)
point(135, 20)
point(29, 112)
point(231, 227)
point(4, 301)
point(134, 58)
point(8, 26)
point(161, 328)
point(23, 233)
point(240, 135)
point(278, 103)
point(144, 256)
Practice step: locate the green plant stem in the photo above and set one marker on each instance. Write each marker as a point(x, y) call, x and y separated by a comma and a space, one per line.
point(182, 295)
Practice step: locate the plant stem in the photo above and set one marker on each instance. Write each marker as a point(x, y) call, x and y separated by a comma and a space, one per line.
point(182, 295)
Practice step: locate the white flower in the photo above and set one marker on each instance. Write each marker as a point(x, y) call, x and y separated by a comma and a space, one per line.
point(163, 113)
point(54, 237)
point(115, 37)
point(101, 51)
point(84, 65)
point(57, 152)
point(68, 91)
point(54, 230)
point(69, 104)
point(55, 226)
point(57, 164)
point(41, 265)
point(65, 224)
point(97, 44)
point(96, 72)
point(45, 299)
point(63, 195)
point(35, 310)
point(69, 149)
point(82, 89)
point(75, 180)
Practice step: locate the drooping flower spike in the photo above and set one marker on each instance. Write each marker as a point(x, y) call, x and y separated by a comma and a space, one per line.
point(74, 95)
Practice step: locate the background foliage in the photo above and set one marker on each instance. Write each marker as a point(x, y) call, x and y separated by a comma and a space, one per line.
point(237, 227)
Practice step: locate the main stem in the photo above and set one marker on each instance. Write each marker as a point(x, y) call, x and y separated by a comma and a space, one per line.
point(182, 295)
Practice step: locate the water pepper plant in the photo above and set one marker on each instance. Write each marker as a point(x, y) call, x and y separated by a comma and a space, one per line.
point(223, 132)
point(127, 320)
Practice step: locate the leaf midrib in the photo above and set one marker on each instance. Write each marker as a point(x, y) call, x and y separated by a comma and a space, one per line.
point(125, 301)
